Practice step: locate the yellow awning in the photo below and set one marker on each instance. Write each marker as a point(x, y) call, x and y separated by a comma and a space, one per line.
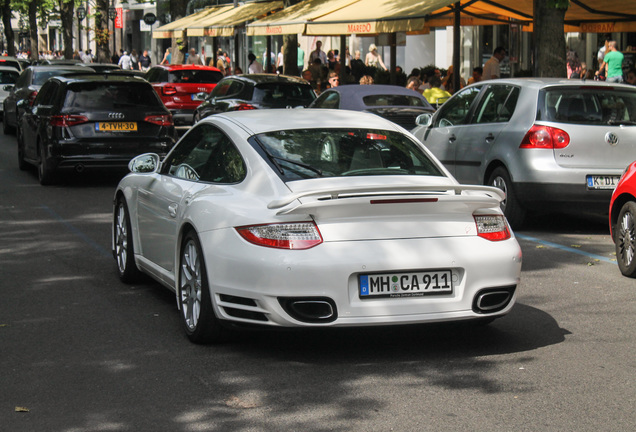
point(225, 23)
point(292, 20)
point(376, 16)
point(177, 28)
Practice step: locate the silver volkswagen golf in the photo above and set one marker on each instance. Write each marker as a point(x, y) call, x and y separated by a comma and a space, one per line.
point(550, 144)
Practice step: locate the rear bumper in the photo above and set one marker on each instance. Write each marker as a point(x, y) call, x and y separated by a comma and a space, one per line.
point(550, 196)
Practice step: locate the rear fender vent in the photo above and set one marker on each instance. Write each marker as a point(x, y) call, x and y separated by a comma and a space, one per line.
point(241, 307)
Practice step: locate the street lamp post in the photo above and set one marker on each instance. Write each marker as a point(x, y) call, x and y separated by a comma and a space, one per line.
point(112, 14)
point(81, 14)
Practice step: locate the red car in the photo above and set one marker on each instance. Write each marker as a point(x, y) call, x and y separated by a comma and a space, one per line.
point(178, 85)
point(622, 221)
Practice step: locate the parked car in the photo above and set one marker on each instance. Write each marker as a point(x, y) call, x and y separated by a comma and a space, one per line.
point(622, 218)
point(8, 76)
point(256, 91)
point(26, 88)
point(178, 86)
point(101, 67)
point(550, 144)
point(12, 62)
point(398, 104)
point(315, 218)
point(92, 121)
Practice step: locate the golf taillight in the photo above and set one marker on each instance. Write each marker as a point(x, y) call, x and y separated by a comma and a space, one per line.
point(32, 96)
point(492, 227)
point(67, 120)
point(545, 137)
point(161, 120)
point(293, 235)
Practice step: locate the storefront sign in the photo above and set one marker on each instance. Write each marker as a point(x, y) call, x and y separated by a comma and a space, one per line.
point(598, 27)
point(119, 20)
point(360, 28)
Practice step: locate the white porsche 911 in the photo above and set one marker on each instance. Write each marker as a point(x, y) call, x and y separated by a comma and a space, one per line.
point(312, 218)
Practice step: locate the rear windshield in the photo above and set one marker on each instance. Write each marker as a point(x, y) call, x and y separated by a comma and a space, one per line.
point(195, 76)
point(11, 63)
point(111, 95)
point(393, 100)
point(283, 95)
point(588, 105)
point(311, 153)
point(8, 77)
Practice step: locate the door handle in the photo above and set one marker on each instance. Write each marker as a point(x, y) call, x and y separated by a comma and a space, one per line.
point(490, 137)
point(452, 139)
point(172, 210)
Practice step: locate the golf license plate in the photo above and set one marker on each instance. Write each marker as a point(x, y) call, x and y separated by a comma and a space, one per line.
point(602, 181)
point(116, 126)
point(396, 285)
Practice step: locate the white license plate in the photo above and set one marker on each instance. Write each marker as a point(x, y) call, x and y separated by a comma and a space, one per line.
point(602, 181)
point(395, 285)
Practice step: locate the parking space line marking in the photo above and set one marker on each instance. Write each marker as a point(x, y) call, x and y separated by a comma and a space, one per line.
point(99, 248)
point(565, 248)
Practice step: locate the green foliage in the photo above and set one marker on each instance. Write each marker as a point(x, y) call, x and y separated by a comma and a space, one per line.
point(558, 4)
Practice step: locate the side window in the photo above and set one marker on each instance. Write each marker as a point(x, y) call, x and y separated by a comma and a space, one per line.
point(46, 94)
point(235, 88)
point(23, 79)
point(153, 75)
point(206, 154)
point(221, 89)
point(328, 100)
point(497, 104)
point(455, 111)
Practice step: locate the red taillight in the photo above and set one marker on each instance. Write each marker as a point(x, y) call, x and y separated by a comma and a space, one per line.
point(169, 90)
point(294, 235)
point(32, 96)
point(545, 137)
point(161, 120)
point(244, 106)
point(492, 227)
point(67, 120)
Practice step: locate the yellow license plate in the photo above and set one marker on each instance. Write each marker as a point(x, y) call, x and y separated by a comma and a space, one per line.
point(116, 126)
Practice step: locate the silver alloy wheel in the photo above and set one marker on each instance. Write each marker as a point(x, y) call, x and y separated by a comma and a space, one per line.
point(627, 239)
point(121, 238)
point(500, 183)
point(190, 285)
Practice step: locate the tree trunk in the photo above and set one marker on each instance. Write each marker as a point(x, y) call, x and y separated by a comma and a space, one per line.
point(549, 38)
point(8, 31)
point(66, 16)
point(102, 34)
point(179, 45)
point(290, 55)
point(33, 31)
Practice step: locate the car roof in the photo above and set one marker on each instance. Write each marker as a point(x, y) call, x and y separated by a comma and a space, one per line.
point(58, 67)
point(269, 120)
point(546, 82)
point(84, 76)
point(268, 78)
point(186, 67)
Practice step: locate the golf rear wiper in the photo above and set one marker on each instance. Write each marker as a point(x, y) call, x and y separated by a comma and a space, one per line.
point(300, 164)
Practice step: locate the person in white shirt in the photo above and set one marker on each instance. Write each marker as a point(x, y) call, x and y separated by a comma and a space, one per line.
point(491, 68)
point(254, 66)
point(125, 62)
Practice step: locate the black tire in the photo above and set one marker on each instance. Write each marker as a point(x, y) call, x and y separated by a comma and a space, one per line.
point(46, 173)
point(123, 249)
point(195, 304)
point(22, 164)
point(625, 239)
point(513, 211)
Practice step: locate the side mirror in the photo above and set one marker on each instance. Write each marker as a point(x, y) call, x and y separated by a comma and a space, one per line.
point(424, 120)
point(8, 87)
point(145, 163)
point(200, 96)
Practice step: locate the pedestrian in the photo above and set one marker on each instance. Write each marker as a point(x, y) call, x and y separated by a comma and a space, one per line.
point(630, 77)
point(612, 64)
point(318, 53)
point(478, 72)
point(300, 59)
point(492, 66)
point(280, 60)
point(219, 62)
point(366, 80)
point(144, 61)
point(334, 79)
point(435, 95)
point(254, 66)
point(167, 57)
point(134, 59)
point(414, 83)
point(448, 83)
point(125, 62)
point(193, 57)
point(373, 58)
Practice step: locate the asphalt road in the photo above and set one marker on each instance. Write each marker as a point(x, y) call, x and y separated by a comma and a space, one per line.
point(80, 351)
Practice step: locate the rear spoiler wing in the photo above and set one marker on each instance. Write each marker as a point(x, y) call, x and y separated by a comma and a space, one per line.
point(489, 194)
